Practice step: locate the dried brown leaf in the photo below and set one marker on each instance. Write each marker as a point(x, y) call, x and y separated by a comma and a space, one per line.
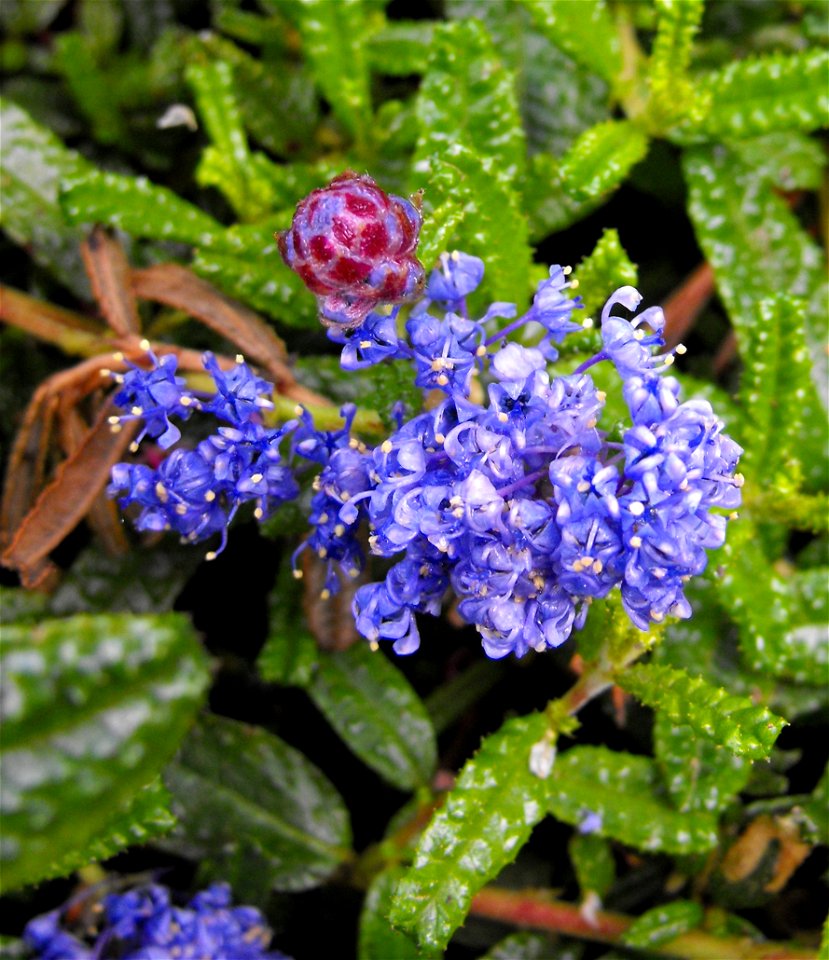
point(109, 273)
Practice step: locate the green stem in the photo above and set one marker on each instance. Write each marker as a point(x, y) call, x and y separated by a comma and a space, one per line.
point(366, 423)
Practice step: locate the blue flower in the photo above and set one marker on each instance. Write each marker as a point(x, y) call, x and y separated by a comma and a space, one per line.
point(459, 275)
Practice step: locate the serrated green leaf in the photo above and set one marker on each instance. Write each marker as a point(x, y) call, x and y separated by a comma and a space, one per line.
point(604, 270)
point(334, 42)
point(697, 773)
point(585, 31)
point(493, 226)
point(32, 164)
point(732, 722)
point(239, 791)
point(378, 940)
point(483, 824)
point(623, 790)
point(548, 205)
point(137, 206)
point(557, 97)
point(146, 817)
point(467, 96)
point(662, 924)
point(371, 705)
point(672, 92)
point(593, 863)
point(758, 95)
point(791, 161)
point(758, 249)
point(526, 945)
point(401, 48)
point(601, 158)
point(92, 708)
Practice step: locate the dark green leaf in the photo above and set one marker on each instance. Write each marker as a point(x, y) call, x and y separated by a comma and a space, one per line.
point(761, 94)
point(370, 704)
point(600, 160)
point(732, 722)
point(815, 808)
point(484, 822)
point(29, 16)
point(604, 270)
point(593, 863)
point(623, 790)
point(378, 940)
point(240, 792)
point(21, 606)
point(467, 96)
point(458, 695)
point(32, 164)
point(663, 924)
point(92, 707)
point(526, 946)
point(401, 48)
point(290, 652)
point(94, 96)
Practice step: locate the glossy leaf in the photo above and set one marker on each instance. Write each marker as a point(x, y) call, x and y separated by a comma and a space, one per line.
point(549, 206)
point(791, 161)
point(672, 92)
point(378, 940)
point(780, 91)
point(732, 722)
point(333, 41)
point(624, 791)
point(93, 707)
point(662, 924)
point(32, 164)
point(585, 31)
point(485, 821)
point(290, 653)
point(698, 774)
point(371, 705)
point(239, 791)
point(601, 159)
point(593, 863)
point(468, 97)
point(602, 271)
point(137, 206)
point(401, 48)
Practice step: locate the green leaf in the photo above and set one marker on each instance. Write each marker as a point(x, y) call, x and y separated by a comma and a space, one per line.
point(371, 705)
point(468, 97)
point(758, 95)
point(823, 950)
point(593, 863)
point(484, 822)
point(290, 652)
point(401, 48)
point(96, 99)
point(732, 722)
point(758, 249)
point(378, 940)
point(146, 817)
point(585, 31)
point(548, 205)
point(93, 707)
point(816, 806)
point(242, 794)
point(525, 945)
point(452, 700)
point(21, 606)
point(697, 773)
point(138, 207)
point(623, 790)
point(672, 92)
point(604, 270)
point(333, 40)
point(791, 161)
point(600, 160)
point(32, 163)
point(663, 924)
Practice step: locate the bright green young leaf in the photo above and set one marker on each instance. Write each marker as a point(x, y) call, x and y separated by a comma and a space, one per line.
point(526, 945)
point(92, 709)
point(88, 85)
point(733, 722)
point(371, 705)
point(32, 164)
point(401, 48)
point(779, 91)
point(623, 790)
point(557, 97)
point(467, 96)
point(241, 792)
point(548, 205)
point(593, 863)
point(138, 207)
point(662, 924)
point(334, 42)
point(146, 817)
point(697, 773)
point(584, 31)
point(485, 821)
point(601, 158)
point(672, 92)
point(378, 940)
point(604, 270)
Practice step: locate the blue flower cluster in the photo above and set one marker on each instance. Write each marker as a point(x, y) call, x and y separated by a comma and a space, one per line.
point(504, 492)
point(143, 924)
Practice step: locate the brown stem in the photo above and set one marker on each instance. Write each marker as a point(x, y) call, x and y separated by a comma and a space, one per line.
point(109, 273)
point(726, 353)
point(684, 305)
point(69, 331)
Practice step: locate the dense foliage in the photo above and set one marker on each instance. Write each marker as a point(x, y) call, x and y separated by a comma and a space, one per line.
point(652, 784)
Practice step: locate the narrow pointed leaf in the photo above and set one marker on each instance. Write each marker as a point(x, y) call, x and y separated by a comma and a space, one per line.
point(593, 863)
point(87, 83)
point(624, 791)
point(604, 270)
point(290, 653)
point(601, 159)
point(549, 206)
point(93, 707)
point(484, 822)
point(240, 792)
point(371, 705)
point(662, 924)
point(378, 940)
point(732, 722)
point(672, 90)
